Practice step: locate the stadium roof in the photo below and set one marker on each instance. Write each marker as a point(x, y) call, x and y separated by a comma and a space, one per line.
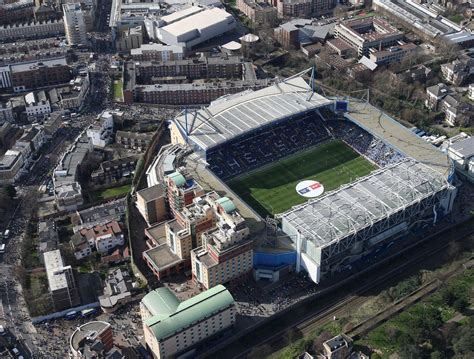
point(227, 119)
point(358, 205)
point(398, 136)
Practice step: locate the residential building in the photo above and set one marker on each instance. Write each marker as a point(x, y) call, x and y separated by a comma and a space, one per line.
point(104, 213)
point(15, 11)
point(394, 54)
point(191, 69)
point(74, 24)
point(114, 171)
point(157, 52)
point(33, 138)
point(73, 97)
point(458, 71)
point(195, 25)
point(36, 29)
point(6, 112)
point(368, 33)
point(118, 290)
point(193, 93)
point(434, 95)
point(419, 73)
point(129, 39)
point(135, 140)
point(258, 12)
point(12, 165)
point(151, 203)
point(101, 133)
point(294, 8)
point(339, 347)
point(462, 155)
point(457, 112)
point(100, 238)
point(93, 340)
point(226, 253)
point(321, 7)
point(36, 74)
point(180, 191)
point(62, 286)
point(172, 327)
point(37, 105)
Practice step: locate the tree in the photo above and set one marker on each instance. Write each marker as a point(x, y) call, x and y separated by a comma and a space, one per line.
point(260, 352)
point(437, 355)
point(410, 352)
point(10, 191)
point(318, 342)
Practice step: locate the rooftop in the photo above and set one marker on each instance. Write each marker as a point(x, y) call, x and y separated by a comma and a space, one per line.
point(88, 331)
point(171, 316)
point(228, 119)
point(357, 205)
point(30, 65)
point(465, 147)
point(54, 264)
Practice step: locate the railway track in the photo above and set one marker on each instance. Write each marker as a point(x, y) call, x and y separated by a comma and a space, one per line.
point(326, 313)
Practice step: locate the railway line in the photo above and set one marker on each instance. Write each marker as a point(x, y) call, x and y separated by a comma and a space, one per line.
point(306, 322)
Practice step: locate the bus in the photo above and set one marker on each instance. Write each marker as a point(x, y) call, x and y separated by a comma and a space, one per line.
point(88, 312)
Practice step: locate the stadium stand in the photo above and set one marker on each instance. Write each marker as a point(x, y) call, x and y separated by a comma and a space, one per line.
point(365, 143)
point(266, 145)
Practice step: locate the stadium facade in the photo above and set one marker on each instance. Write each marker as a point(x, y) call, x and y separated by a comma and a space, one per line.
point(354, 225)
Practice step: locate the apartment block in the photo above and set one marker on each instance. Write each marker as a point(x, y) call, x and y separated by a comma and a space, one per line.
point(294, 8)
point(394, 54)
point(226, 254)
point(135, 140)
point(37, 105)
point(74, 24)
point(114, 171)
point(258, 12)
point(458, 71)
point(158, 52)
point(101, 133)
point(151, 204)
point(36, 29)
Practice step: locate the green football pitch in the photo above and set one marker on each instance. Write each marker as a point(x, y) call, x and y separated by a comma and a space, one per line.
point(271, 189)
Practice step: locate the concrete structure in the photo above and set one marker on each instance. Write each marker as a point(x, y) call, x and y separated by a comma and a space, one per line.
point(368, 33)
point(129, 39)
point(462, 155)
point(258, 12)
point(226, 253)
point(93, 340)
point(74, 24)
point(36, 29)
point(101, 238)
point(37, 105)
point(101, 133)
point(119, 286)
point(157, 52)
point(172, 327)
point(189, 28)
point(62, 286)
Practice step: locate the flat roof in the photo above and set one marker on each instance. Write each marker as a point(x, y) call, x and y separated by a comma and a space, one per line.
point(178, 15)
point(28, 65)
point(228, 119)
point(355, 206)
point(90, 330)
point(198, 21)
point(398, 136)
point(54, 265)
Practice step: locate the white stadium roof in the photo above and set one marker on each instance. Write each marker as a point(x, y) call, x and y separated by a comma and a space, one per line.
point(229, 118)
point(358, 205)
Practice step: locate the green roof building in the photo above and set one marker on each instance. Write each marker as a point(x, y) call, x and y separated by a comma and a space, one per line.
point(172, 327)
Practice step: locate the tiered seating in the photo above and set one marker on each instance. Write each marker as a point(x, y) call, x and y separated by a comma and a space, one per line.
point(266, 145)
point(364, 143)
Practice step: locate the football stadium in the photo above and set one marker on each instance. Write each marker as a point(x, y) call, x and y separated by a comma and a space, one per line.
point(346, 183)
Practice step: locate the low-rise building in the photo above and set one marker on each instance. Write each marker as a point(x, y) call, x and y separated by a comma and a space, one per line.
point(338, 347)
point(458, 71)
point(6, 112)
point(172, 327)
point(101, 214)
point(100, 238)
point(61, 282)
point(37, 105)
point(73, 97)
point(30, 30)
point(158, 52)
point(12, 166)
point(457, 112)
point(135, 140)
point(294, 8)
point(118, 290)
point(434, 95)
point(93, 340)
point(225, 254)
